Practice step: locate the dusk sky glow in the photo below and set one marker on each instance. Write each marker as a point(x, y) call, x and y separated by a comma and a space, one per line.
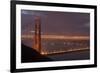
point(56, 23)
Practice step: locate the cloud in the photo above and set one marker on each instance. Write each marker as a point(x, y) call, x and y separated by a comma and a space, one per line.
point(32, 31)
point(33, 13)
point(24, 12)
point(87, 24)
point(27, 12)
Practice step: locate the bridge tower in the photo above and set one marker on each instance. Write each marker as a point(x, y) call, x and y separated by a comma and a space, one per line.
point(37, 36)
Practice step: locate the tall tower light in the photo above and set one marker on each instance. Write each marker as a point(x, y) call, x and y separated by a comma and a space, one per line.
point(37, 37)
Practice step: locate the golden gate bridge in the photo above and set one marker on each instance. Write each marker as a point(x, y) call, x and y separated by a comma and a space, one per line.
point(70, 43)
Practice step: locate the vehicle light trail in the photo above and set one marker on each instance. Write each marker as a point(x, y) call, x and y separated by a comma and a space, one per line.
point(63, 51)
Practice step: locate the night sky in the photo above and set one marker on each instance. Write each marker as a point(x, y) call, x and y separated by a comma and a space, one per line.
point(56, 23)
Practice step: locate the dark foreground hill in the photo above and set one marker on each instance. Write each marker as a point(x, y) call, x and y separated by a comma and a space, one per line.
point(30, 55)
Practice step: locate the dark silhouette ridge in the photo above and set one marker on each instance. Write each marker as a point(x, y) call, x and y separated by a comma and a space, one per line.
point(30, 55)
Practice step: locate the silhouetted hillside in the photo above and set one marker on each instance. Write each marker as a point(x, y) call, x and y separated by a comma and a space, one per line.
point(30, 55)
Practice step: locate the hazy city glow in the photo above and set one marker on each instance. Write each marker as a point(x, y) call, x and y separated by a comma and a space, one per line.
point(57, 37)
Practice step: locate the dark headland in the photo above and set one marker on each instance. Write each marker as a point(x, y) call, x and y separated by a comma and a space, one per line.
point(30, 55)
